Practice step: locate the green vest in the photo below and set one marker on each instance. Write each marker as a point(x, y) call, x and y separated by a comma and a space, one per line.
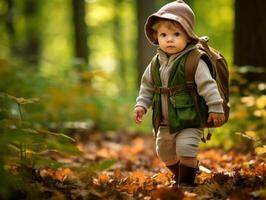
point(182, 112)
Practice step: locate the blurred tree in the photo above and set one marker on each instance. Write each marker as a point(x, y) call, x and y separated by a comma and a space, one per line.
point(250, 40)
point(145, 51)
point(119, 46)
point(25, 43)
point(80, 33)
point(9, 22)
point(32, 41)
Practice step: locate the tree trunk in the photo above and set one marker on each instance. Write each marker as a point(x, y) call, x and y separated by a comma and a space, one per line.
point(9, 22)
point(250, 40)
point(119, 46)
point(31, 48)
point(27, 45)
point(80, 33)
point(145, 50)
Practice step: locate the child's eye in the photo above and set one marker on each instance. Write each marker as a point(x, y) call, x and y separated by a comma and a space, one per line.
point(177, 34)
point(163, 34)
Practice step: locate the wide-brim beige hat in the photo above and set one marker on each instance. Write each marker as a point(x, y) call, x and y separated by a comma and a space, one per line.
point(177, 11)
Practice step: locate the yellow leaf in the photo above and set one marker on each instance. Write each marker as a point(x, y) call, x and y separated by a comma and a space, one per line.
point(260, 113)
point(261, 102)
point(260, 150)
point(21, 100)
point(249, 101)
point(251, 134)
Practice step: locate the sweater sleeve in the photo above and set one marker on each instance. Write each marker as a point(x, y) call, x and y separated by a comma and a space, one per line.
point(146, 91)
point(207, 88)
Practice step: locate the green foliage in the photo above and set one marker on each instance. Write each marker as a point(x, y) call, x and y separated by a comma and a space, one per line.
point(248, 116)
point(215, 18)
point(100, 97)
point(30, 141)
point(24, 147)
point(245, 129)
point(101, 166)
point(109, 98)
point(64, 99)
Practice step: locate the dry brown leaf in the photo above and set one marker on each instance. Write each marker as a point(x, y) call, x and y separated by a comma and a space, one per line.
point(118, 174)
point(261, 169)
point(162, 178)
point(167, 194)
point(59, 174)
point(103, 178)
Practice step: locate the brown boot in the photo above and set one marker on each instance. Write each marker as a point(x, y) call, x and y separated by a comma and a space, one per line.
point(175, 170)
point(187, 175)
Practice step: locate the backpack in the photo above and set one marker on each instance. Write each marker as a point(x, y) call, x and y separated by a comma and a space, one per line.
point(218, 68)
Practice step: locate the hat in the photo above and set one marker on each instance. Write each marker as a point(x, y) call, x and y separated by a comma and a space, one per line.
point(177, 11)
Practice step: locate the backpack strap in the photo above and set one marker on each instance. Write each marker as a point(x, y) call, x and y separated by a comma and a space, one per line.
point(191, 65)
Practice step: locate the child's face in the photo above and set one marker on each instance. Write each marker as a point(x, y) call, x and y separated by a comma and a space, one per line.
point(171, 39)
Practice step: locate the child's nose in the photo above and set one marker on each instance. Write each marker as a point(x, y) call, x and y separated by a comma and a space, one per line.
point(170, 38)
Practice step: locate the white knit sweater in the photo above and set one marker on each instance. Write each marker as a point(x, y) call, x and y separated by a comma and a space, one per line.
point(206, 85)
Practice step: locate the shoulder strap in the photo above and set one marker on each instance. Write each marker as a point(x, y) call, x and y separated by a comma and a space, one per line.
point(191, 65)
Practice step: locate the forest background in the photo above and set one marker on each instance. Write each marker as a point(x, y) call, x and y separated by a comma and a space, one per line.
point(76, 65)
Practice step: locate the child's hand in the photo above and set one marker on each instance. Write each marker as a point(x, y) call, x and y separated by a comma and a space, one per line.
point(216, 118)
point(139, 112)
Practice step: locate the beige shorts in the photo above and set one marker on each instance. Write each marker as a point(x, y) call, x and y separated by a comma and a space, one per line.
point(185, 143)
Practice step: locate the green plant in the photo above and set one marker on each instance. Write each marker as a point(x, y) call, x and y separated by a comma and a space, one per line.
point(24, 148)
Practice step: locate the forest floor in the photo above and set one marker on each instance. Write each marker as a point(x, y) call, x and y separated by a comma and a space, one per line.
point(134, 172)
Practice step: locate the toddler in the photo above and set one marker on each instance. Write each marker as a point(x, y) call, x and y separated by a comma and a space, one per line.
point(176, 122)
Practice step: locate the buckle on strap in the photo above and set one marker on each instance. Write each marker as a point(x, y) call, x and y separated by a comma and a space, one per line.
point(162, 90)
point(172, 90)
point(190, 85)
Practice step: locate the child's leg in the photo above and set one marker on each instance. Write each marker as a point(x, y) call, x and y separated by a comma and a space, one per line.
point(189, 161)
point(187, 143)
point(166, 146)
point(166, 150)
